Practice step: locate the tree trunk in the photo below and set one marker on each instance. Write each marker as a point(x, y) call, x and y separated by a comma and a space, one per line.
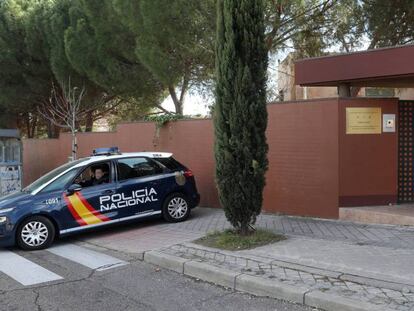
point(184, 85)
point(244, 229)
point(74, 146)
point(34, 125)
point(53, 131)
point(56, 131)
point(89, 122)
point(50, 129)
point(27, 122)
point(177, 104)
point(30, 125)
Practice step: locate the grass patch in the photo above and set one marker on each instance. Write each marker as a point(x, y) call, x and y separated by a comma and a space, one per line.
point(230, 240)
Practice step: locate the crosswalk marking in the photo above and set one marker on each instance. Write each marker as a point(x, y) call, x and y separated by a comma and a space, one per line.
point(29, 273)
point(24, 271)
point(86, 257)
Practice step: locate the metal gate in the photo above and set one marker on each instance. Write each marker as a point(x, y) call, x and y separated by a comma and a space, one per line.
point(405, 151)
point(10, 161)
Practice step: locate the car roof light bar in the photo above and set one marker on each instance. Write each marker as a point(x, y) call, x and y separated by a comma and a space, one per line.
point(106, 151)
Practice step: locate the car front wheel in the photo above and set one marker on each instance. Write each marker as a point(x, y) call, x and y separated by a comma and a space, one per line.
point(36, 232)
point(176, 208)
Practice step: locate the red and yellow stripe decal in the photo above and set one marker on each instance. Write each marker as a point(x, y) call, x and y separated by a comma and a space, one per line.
point(82, 211)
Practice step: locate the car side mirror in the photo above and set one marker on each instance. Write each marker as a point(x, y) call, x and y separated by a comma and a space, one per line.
point(73, 188)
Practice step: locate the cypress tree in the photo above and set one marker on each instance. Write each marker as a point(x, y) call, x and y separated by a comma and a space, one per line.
point(240, 115)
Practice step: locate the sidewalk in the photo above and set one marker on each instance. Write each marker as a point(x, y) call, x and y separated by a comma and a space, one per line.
point(393, 236)
point(313, 285)
point(377, 262)
point(331, 265)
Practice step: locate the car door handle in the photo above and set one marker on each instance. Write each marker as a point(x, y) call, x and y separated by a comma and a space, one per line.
point(108, 192)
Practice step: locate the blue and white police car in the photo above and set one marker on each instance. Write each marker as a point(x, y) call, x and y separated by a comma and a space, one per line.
point(106, 188)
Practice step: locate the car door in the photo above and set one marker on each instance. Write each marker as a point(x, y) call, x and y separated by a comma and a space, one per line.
point(51, 199)
point(140, 185)
point(84, 204)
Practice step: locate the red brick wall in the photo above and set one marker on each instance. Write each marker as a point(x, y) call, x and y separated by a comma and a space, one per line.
point(303, 155)
point(368, 162)
point(312, 162)
point(303, 159)
point(191, 142)
point(314, 167)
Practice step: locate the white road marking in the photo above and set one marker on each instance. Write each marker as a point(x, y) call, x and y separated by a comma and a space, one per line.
point(24, 271)
point(87, 257)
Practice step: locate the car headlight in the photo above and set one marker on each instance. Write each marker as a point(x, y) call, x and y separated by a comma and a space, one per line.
point(6, 210)
point(3, 219)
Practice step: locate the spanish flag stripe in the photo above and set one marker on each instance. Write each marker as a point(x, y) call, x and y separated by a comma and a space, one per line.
point(91, 209)
point(86, 215)
point(75, 215)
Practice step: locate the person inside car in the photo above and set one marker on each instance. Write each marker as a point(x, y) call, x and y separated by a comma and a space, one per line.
point(98, 176)
point(101, 177)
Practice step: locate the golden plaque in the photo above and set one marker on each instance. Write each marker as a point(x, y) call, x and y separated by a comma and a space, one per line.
point(363, 120)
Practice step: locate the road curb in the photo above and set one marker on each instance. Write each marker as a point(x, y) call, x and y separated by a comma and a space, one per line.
point(211, 273)
point(165, 260)
point(270, 288)
point(255, 285)
point(331, 302)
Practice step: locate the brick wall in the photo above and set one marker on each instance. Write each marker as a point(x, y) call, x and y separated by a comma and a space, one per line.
point(303, 176)
point(303, 159)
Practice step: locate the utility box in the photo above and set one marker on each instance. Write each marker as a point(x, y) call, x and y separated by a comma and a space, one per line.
point(10, 162)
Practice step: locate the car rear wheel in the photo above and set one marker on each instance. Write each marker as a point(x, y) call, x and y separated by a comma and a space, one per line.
point(176, 208)
point(36, 232)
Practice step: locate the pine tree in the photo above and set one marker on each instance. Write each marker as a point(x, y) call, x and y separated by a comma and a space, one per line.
point(240, 115)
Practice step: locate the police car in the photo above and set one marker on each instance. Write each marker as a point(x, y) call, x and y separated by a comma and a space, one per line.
point(106, 188)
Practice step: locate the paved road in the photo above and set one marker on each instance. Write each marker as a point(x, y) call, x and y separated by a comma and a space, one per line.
point(74, 277)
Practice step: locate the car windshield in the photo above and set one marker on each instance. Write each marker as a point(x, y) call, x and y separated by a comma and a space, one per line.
point(52, 174)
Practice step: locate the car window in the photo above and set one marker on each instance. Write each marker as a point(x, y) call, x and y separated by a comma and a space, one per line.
point(137, 167)
point(171, 163)
point(94, 175)
point(51, 175)
point(61, 182)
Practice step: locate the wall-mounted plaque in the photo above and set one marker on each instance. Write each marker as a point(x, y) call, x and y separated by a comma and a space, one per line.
point(365, 120)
